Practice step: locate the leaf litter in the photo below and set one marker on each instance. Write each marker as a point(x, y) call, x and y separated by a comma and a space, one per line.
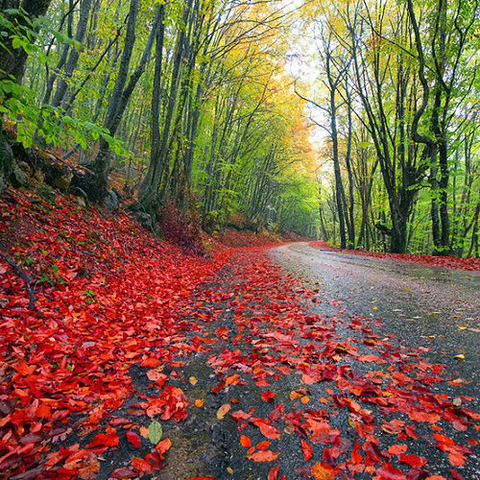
point(117, 298)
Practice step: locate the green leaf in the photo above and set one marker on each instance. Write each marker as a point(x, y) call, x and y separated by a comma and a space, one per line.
point(156, 432)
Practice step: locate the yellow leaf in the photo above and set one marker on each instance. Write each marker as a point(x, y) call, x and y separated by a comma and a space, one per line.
point(230, 470)
point(193, 380)
point(460, 356)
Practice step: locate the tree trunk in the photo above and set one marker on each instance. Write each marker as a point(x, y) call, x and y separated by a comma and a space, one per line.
point(149, 188)
point(121, 95)
point(74, 53)
point(12, 60)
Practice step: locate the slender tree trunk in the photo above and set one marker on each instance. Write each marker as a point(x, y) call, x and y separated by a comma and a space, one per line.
point(121, 94)
point(149, 188)
point(72, 61)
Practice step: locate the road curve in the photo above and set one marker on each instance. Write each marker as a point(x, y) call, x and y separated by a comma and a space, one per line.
point(433, 306)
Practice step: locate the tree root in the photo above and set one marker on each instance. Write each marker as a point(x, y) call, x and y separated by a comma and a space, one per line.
point(24, 277)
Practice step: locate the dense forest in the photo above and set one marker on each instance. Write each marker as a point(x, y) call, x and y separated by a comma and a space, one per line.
point(354, 122)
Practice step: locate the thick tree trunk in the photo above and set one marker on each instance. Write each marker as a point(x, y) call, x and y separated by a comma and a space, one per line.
point(12, 60)
point(12, 65)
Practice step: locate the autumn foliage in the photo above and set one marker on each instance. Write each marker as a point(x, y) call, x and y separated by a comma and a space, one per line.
point(102, 363)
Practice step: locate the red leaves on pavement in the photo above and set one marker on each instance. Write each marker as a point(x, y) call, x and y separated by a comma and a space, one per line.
point(172, 404)
point(455, 452)
point(117, 301)
point(440, 261)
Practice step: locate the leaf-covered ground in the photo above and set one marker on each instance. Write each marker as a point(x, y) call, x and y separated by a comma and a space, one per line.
point(142, 361)
point(439, 261)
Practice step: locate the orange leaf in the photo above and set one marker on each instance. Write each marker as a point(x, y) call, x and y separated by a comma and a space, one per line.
point(90, 470)
point(144, 432)
point(141, 465)
point(368, 358)
point(223, 410)
point(267, 396)
point(322, 471)
point(232, 380)
point(245, 441)
point(264, 456)
point(263, 445)
point(44, 411)
point(23, 369)
point(163, 446)
point(266, 430)
point(199, 402)
point(151, 362)
point(424, 416)
point(456, 458)
point(397, 449)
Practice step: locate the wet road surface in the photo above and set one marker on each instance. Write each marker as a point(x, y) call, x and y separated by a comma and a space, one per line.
point(266, 328)
point(433, 306)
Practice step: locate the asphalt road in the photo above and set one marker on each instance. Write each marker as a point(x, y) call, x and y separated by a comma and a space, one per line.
point(433, 306)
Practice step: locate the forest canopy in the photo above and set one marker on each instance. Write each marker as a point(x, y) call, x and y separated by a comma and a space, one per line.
point(352, 121)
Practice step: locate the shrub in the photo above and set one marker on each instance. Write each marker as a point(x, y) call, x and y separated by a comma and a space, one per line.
point(180, 230)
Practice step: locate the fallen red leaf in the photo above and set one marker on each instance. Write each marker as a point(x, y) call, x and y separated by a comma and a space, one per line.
point(307, 450)
point(133, 439)
point(397, 449)
point(413, 460)
point(388, 472)
point(273, 473)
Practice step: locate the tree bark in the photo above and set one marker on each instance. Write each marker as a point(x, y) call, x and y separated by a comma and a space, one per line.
point(72, 61)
